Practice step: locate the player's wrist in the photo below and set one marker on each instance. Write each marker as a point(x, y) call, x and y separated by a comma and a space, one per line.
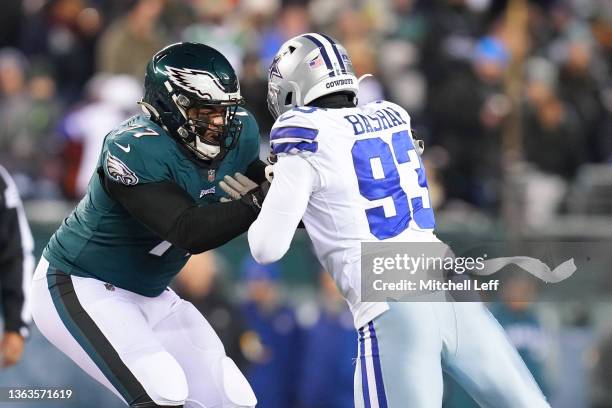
point(242, 188)
point(12, 333)
point(22, 331)
point(255, 197)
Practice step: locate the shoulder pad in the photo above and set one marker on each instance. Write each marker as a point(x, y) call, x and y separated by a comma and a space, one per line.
point(250, 128)
point(295, 132)
point(138, 127)
point(395, 109)
point(299, 116)
point(137, 152)
point(248, 144)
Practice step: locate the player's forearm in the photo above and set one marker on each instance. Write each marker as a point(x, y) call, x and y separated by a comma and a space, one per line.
point(199, 229)
point(270, 237)
point(167, 210)
point(271, 234)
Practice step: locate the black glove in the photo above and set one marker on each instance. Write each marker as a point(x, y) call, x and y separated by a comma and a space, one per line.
point(244, 189)
point(254, 198)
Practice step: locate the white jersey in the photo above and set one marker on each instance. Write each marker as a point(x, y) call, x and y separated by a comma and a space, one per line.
point(352, 175)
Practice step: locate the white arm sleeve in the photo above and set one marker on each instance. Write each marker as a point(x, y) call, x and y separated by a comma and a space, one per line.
point(271, 233)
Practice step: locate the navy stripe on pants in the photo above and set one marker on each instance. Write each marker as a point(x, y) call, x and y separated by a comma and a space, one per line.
point(89, 336)
point(364, 373)
point(380, 386)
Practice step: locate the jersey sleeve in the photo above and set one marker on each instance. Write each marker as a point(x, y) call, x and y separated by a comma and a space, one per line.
point(295, 132)
point(294, 181)
point(130, 160)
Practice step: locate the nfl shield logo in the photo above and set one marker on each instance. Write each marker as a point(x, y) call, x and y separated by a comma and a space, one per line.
point(211, 175)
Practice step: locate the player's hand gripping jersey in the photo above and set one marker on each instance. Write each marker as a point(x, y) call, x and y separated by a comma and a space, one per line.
point(355, 176)
point(102, 240)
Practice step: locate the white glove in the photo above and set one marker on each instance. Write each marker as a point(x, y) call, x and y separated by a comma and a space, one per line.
point(419, 146)
point(244, 189)
point(236, 186)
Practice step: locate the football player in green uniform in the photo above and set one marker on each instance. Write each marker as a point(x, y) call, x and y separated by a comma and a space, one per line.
point(100, 292)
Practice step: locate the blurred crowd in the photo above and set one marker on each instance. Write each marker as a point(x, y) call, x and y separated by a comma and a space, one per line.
point(494, 87)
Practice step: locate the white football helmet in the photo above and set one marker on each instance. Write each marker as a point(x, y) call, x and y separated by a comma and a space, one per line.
point(305, 68)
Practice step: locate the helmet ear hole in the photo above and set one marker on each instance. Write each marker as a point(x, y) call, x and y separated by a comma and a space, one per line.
point(288, 98)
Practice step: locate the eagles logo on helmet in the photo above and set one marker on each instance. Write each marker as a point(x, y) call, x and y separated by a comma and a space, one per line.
point(188, 87)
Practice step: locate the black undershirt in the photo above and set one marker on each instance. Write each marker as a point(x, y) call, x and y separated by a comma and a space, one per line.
point(167, 210)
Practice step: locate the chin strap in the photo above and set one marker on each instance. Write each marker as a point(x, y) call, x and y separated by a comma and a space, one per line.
point(147, 108)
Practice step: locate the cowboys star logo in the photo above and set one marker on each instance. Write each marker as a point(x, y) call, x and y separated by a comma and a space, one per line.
point(274, 68)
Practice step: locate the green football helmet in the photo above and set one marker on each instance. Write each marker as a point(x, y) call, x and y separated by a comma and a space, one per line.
point(187, 77)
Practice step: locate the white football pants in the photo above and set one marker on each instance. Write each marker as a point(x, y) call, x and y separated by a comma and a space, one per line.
point(403, 352)
point(157, 350)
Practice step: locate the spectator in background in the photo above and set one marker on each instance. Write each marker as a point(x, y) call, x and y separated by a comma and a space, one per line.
point(128, 44)
point(326, 379)
point(217, 27)
point(356, 33)
point(470, 107)
point(10, 22)
point(443, 61)
point(28, 113)
point(292, 20)
point(553, 143)
point(447, 46)
point(14, 106)
point(364, 62)
point(112, 99)
point(16, 268)
point(199, 282)
point(62, 35)
point(602, 32)
point(272, 344)
point(399, 56)
point(254, 89)
point(580, 89)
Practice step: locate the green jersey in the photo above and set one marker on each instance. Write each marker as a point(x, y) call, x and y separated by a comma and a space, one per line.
point(101, 240)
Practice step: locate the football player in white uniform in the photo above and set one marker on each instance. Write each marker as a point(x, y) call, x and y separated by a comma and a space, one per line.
point(353, 174)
